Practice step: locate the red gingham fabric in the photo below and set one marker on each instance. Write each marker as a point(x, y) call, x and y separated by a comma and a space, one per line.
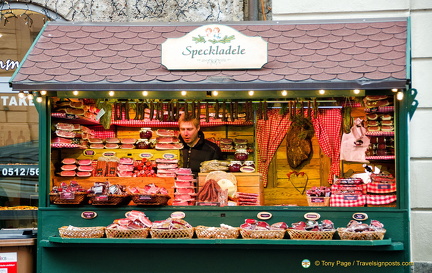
point(342, 200)
point(270, 134)
point(100, 132)
point(381, 187)
point(380, 157)
point(379, 133)
point(380, 199)
point(328, 131)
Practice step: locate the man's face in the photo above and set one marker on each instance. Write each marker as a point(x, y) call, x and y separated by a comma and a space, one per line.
point(189, 132)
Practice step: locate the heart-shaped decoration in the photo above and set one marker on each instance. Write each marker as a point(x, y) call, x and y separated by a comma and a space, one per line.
point(298, 180)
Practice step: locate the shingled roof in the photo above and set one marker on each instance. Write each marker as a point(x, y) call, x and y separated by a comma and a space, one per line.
point(110, 56)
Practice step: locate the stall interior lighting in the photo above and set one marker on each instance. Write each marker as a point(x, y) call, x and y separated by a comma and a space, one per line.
point(251, 92)
point(356, 91)
point(21, 94)
point(394, 90)
point(284, 93)
point(322, 92)
point(400, 95)
point(43, 92)
point(183, 93)
point(75, 93)
point(111, 93)
point(30, 95)
point(39, 99)
point(145, 93)
point(215, 93)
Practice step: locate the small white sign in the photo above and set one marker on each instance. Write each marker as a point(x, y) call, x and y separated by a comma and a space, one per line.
point(214, 47)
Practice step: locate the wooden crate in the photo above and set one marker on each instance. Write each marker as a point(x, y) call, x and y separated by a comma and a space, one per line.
point(246, 182)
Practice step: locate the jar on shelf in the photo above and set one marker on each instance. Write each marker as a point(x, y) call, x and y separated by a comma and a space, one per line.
point(143, 144)
point(234, 166)
point(241, 154)
point(146, 133)
point(249, 164)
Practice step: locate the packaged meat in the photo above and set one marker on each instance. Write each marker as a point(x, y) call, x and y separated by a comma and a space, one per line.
point(67, 126)
point(95, 140)
point(166, 132)
point(170, 171)
point(68, 167)
point(374, 128)
point(185, 190)
point(83, 174)
point(184, 171)
point(168, 146)
point(386, 117)
point(67, 173)
point(226, 141)
point(112, 140)
point(69, 161)
point(378, 97)
point(387, 128)
point(167, 139)
point(126, 160)
point(373, 123)
point(166, 175)
point(372, 116)
point(166, 160)
point(185, 176)
point(127, 146)
point(127, 140)
point(386, 122)
point(111, 146)
point(85, 168)
point(84, 162)
point(124, 174)
point(178, 183)
point(166, 166)
point(240, 141)
point(127, 168)
point(66, 134)
point(97, 146)
point(61, 140)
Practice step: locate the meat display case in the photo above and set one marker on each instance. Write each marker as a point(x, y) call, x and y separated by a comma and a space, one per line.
point(57, 254)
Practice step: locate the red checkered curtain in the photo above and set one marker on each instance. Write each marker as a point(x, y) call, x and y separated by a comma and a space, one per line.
point(327, 127)
point(270, 134)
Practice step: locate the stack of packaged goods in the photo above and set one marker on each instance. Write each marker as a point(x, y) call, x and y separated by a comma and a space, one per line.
point(348, 192)
point(166, 167)
point(125, 167)
point(381, 191)
point(184, 186)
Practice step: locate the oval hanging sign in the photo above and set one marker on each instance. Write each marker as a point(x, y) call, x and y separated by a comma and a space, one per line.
point(146, 155)
point(109, 154)
point(264, 215)
point(89, 152)
point(88, 215)
point(360, 216)
point(178, 215)
point(312, 216)
point(169, 156)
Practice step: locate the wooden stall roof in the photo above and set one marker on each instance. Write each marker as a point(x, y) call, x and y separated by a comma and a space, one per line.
point(363, 54)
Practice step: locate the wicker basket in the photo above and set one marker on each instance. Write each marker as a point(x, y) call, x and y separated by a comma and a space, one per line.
point(172, 233)
point(203, 232)
point(79, 198)
point(81, 232)
point(318, 201)
point(126, 233)
point(112, 200)
point(366, 235)
point(262, 234)
point(150, 199)
point(310, 235)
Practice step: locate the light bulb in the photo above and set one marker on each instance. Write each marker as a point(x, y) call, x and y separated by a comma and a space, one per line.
point(400, 95)
point(21, 94)
point(356, 91)
point(75, 93)
point(183, 93)
point(111, 93)
point(43, 92)
point(145, 93)
point(251, 92)
point(215, 93)
point(39, 99)
point(322, 91)
point(284, 93)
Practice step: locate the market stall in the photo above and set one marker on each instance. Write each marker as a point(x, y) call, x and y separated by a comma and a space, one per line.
point(311, 118)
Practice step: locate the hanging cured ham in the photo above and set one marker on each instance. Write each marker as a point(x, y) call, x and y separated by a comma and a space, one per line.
point(299, 144)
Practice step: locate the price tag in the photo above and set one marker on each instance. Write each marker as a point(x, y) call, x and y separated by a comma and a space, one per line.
point(178, 215)
point(101, 197)
point(144, 197)
point(146, 155)
point(360, 216)
point(312, 216)
point(264, 215)
point(88, 214)
point(67, 195)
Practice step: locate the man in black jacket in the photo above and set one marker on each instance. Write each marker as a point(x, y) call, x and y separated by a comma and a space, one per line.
point(196, 148)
